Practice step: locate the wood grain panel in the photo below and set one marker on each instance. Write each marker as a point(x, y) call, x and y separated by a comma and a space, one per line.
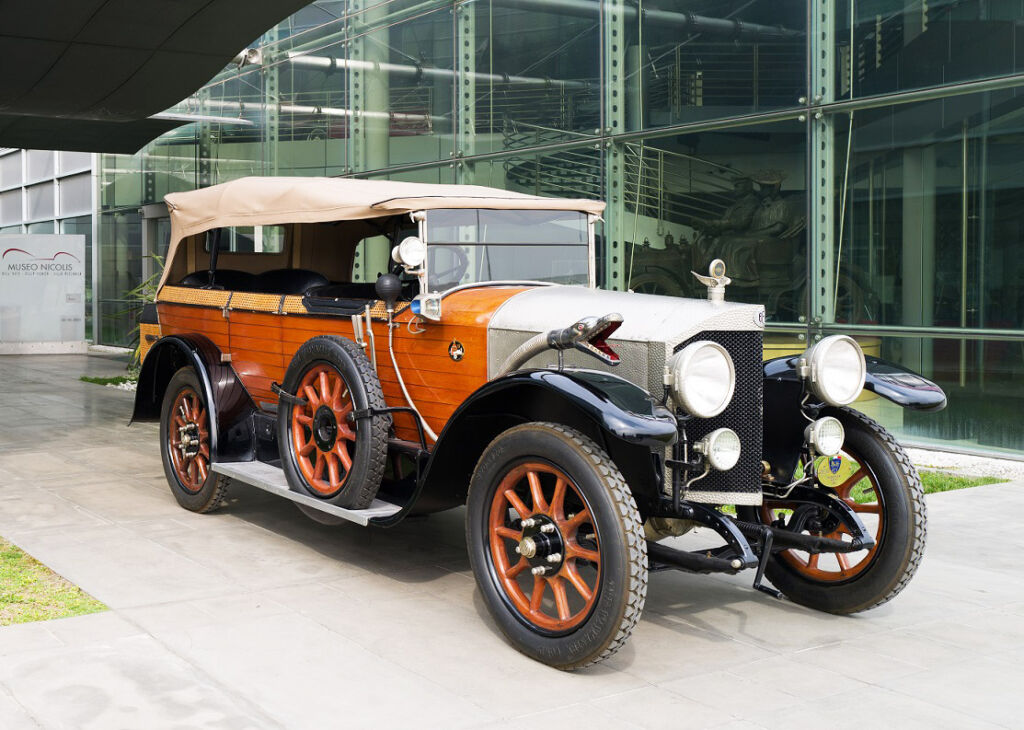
point(262, 345)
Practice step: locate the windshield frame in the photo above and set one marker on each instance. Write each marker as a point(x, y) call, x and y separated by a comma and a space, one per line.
point(421, 218)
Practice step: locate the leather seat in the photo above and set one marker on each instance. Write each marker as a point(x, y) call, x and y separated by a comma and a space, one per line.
point(288, 281)
point(229, 279)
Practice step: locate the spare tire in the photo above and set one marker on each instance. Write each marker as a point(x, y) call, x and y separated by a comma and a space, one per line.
point(331, 447)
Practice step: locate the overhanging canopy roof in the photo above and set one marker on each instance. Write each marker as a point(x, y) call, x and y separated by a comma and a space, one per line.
point(115, 61)
point(256, 201)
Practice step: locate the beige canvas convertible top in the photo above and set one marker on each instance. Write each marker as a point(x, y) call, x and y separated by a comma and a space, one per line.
point(256, 201)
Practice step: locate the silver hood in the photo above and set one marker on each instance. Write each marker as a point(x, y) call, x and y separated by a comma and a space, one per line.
point(652, 327)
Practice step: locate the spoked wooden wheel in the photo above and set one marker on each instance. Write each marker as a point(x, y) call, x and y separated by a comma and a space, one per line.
point(323, 432)
point(187, 444)
point(545, 547)
point(876, 479)
point(556, 544)
point(189, 439)
point(859, 490)
point(334, 444)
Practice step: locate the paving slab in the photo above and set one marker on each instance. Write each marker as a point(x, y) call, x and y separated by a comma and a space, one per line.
point(256, 617)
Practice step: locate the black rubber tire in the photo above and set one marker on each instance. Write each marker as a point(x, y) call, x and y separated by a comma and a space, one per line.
point(622, 588)
point(371, 445)
point(904, 528)
point(214, 489)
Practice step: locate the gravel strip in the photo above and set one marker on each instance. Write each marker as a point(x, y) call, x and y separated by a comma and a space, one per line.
point(967, 465)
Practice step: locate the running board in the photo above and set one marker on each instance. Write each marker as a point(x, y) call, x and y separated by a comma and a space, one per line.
point(271, 479)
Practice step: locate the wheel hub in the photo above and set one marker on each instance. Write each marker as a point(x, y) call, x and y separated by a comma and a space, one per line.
point(189, 440)
point(542, 544)
point(325, 428)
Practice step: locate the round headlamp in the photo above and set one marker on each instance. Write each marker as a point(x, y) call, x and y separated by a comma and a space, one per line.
point(826, 436)
point(721, 448)
point(835, 369)
point(410, 252)
point(703, 378)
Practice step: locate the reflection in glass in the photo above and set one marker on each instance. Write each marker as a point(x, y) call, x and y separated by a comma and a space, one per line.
point(735, 195)
point(704, 59)
point(934, 215)
point(909, 44)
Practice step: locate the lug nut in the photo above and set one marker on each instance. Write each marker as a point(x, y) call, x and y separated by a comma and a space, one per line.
point(554, 557)
point(539, 570)
point(529, 522)
point(517, 549)
point(547, 528)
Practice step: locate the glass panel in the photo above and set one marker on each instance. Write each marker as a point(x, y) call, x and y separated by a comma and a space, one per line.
point(10, 207)
point(734, 194)
point(530, 73)
point(120, 271)
point(983, 381)
point(40, 165)
point(83, 226)
point(10, 229)
point(909, 44)
point(705, 59)
point(39, 201)
point(524, 245)
point(71, 162)
point(43, 227)
point(10, 170)
point(120, 181)
point(75, 194)
point(248, 239)
point(934, 213)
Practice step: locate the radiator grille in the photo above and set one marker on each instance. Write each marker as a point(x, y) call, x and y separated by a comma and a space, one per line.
point(742, 483)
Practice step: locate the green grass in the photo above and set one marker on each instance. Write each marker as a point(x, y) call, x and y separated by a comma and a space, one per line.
point(117, 380)
point(29, 591)
point(938, 481)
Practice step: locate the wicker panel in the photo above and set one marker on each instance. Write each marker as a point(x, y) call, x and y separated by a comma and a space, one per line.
point(294, 305)
point(255, 302)
point(197, 297)
point(148, 334)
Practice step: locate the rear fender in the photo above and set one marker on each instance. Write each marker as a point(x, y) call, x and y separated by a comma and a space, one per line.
point(231, 409)
point(617, 415)
point(784, 389)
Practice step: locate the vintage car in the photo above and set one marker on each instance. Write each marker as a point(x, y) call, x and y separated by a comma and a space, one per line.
point(482, 367)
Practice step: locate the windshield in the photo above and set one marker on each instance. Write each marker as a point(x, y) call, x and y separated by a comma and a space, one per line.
point(471, 246)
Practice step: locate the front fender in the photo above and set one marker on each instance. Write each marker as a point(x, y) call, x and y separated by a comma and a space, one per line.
point(893, 382)
point(783, 390)
point(619, 416)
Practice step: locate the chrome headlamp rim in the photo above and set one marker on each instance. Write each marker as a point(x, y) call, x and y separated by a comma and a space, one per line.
point(813, 368)
point(678, 366)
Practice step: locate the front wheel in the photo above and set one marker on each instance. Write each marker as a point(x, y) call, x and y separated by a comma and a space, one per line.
point(556, 544)
point(874, 476)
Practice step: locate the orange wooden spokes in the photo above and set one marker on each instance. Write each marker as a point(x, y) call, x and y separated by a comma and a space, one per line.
point(834, 567)
point(325, 469)
point(191, 463)
point(559, 601)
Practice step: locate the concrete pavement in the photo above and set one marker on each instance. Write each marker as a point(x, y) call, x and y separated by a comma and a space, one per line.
point(256, 617)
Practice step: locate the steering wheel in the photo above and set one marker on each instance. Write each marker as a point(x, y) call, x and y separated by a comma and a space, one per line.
point(446, 278)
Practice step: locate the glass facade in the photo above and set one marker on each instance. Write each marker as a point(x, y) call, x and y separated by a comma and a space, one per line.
point(852, 160)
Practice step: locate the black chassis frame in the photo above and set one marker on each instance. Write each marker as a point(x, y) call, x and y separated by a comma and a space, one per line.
point(619, 416)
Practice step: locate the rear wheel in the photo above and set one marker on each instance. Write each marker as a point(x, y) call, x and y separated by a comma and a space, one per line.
point(332, 446)
point(185, 446)
point(875, 478)
point(556, 544)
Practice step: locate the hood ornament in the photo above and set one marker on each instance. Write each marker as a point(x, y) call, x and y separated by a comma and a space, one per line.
point(715, 281)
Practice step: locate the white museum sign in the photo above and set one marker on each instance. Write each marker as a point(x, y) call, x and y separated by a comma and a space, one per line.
point(42, 293)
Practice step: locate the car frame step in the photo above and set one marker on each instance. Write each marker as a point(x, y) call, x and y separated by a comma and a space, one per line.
point(272, 479)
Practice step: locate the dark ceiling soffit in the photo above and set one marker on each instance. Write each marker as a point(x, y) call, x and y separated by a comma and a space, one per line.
point(117, 60)
point(81, 135)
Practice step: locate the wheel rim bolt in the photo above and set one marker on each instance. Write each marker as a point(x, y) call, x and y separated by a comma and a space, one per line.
point(554, 557)
point(539, 570)
point(530, 522)
point(547, 528)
